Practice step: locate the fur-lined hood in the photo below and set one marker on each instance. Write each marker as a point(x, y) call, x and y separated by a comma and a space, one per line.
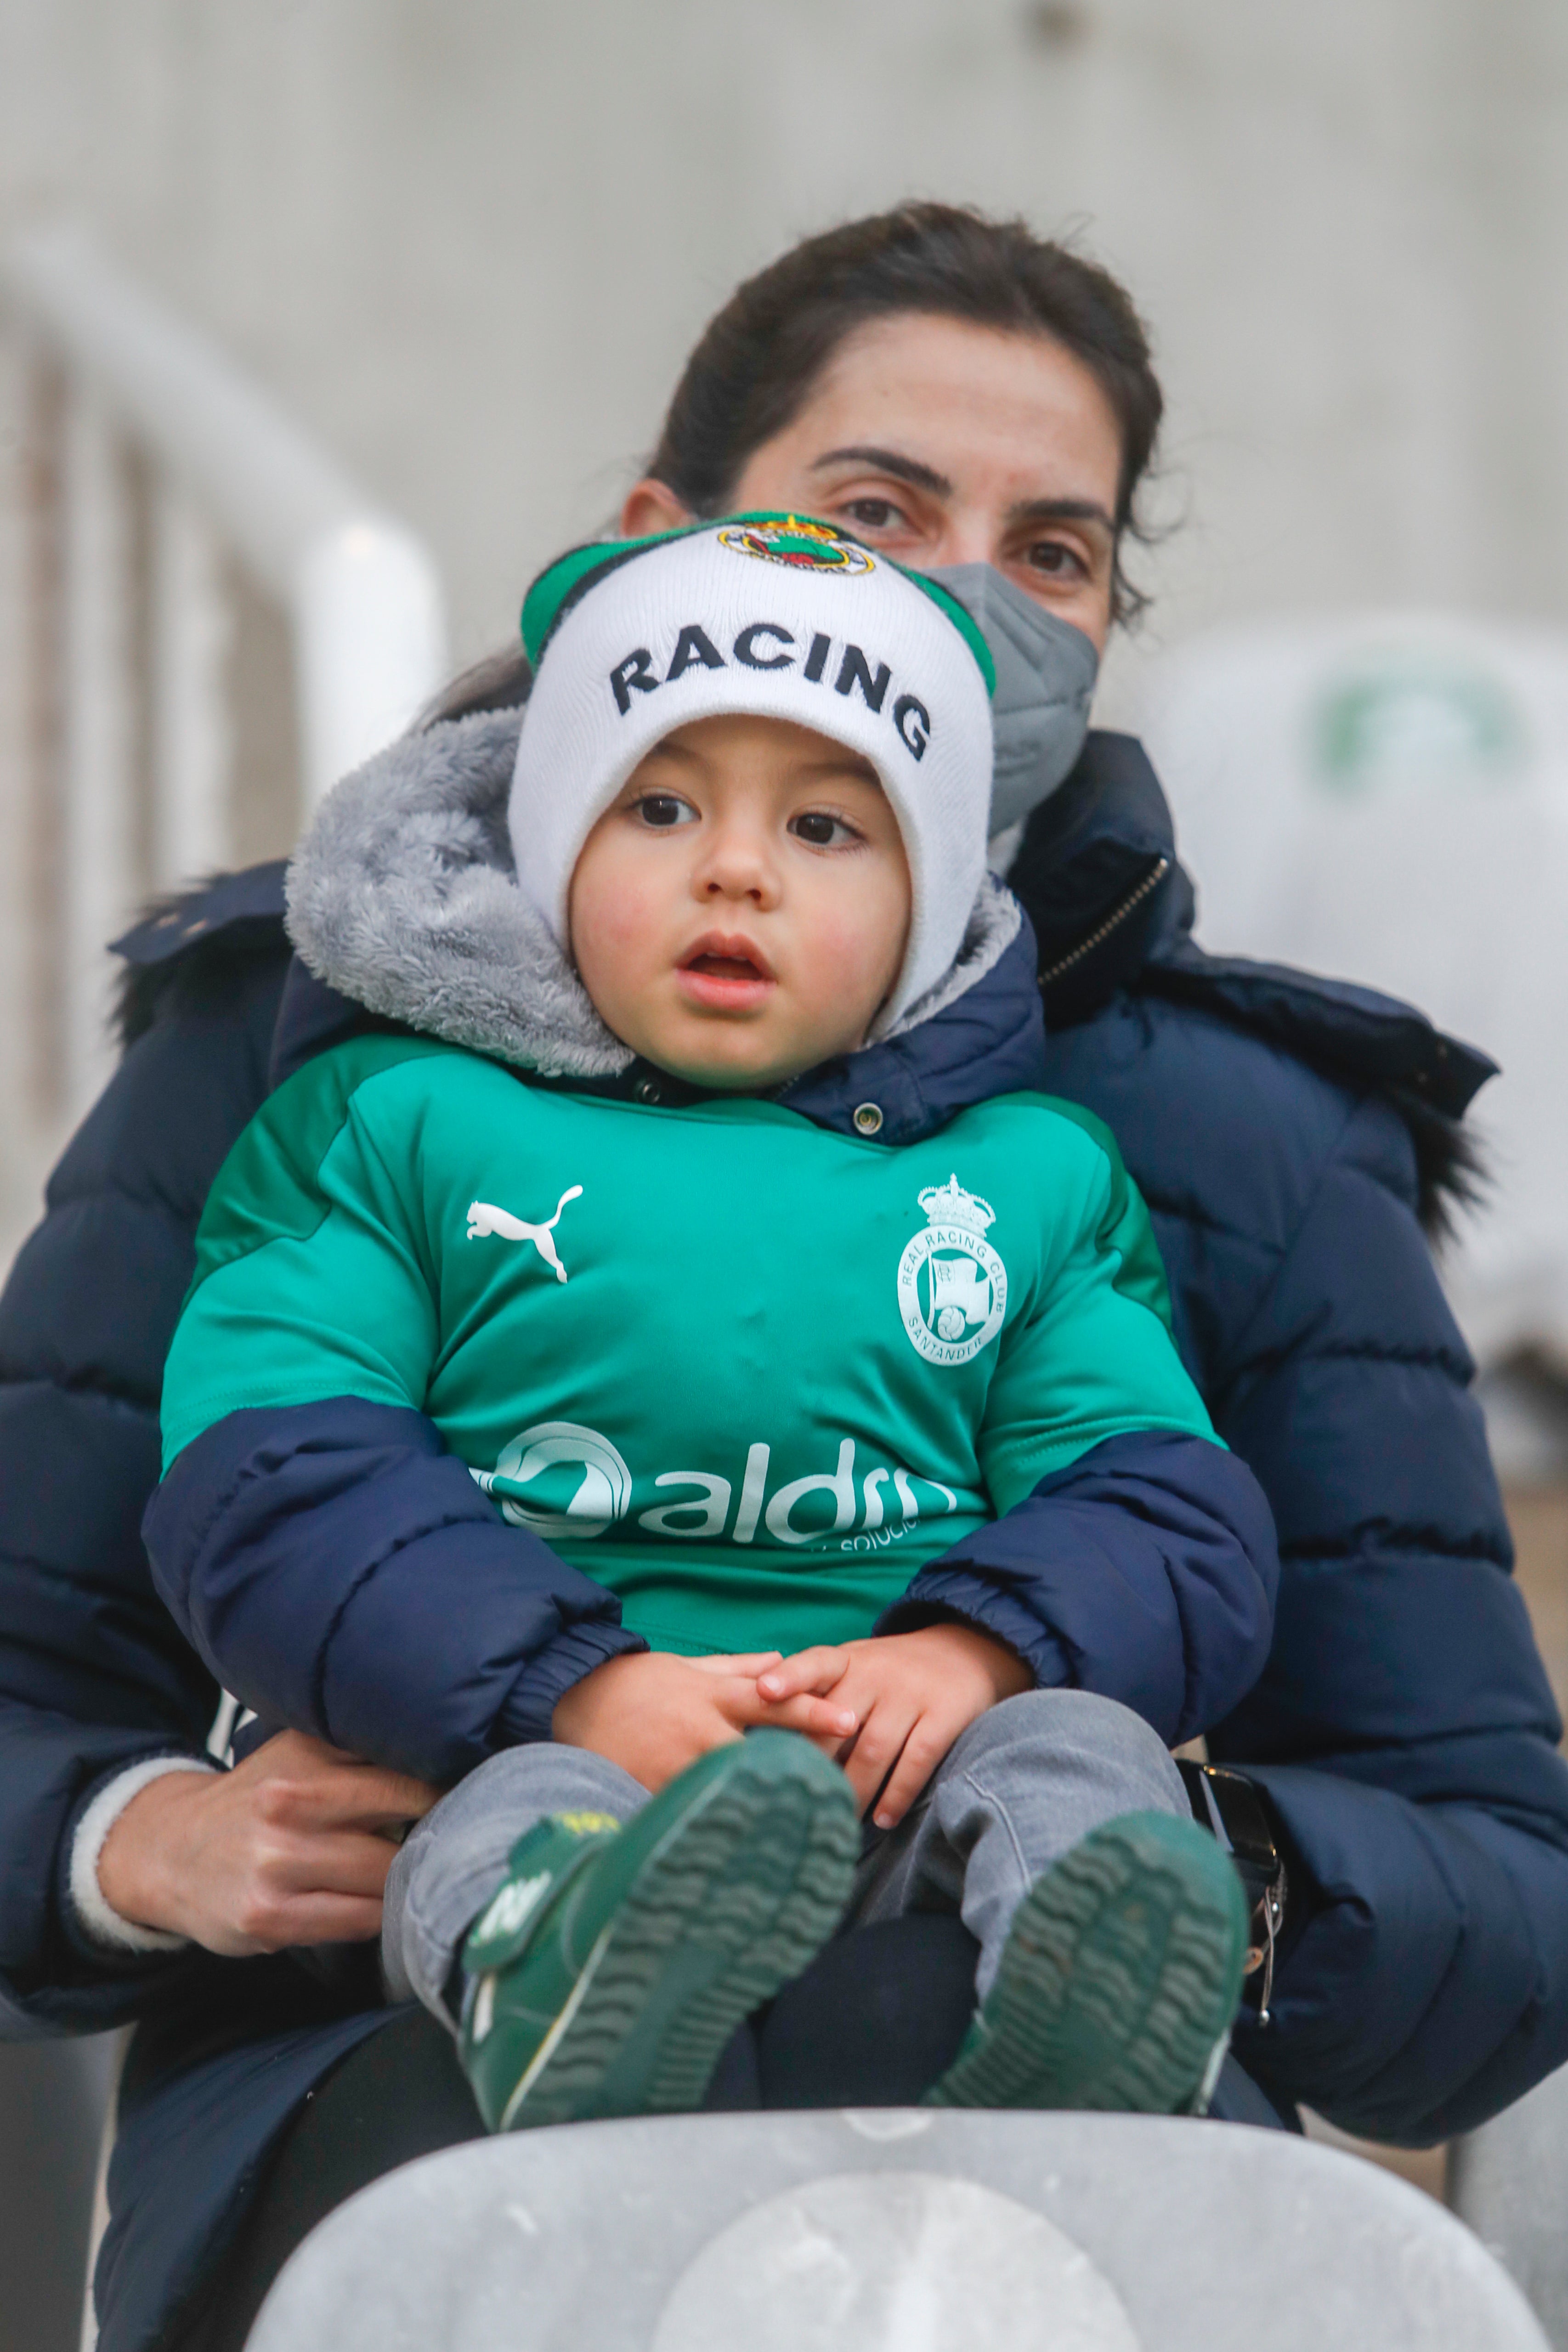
point(403, 898)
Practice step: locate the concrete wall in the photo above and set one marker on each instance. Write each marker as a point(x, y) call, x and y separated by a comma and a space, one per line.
point(471, 242)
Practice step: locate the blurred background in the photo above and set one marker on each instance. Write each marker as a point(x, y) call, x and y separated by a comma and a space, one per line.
point(442, 265)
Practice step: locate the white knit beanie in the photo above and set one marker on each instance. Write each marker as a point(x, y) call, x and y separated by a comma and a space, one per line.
point(773, 615)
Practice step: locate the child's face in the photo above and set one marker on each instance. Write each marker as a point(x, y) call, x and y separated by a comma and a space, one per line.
point(740, 913)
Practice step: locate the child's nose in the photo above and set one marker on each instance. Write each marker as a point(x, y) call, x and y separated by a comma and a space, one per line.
point(737, 868)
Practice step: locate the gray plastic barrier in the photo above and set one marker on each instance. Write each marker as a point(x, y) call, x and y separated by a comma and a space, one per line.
point(894, 2231)
point(53, 2098)
point(1508, 2182)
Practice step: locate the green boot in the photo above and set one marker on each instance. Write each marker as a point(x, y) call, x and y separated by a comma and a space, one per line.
point(613, 1964)
point(1119, 1981)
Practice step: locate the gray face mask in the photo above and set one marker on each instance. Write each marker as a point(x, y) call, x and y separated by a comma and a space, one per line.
point(1046, 671)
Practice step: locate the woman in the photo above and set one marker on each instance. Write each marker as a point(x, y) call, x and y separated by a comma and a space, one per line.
point(981, 404)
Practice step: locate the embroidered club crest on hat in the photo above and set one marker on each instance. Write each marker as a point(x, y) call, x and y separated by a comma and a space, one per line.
point(808, 546)
point(778, 615)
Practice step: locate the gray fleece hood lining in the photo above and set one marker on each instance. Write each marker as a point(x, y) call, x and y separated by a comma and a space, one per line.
point(403, 896)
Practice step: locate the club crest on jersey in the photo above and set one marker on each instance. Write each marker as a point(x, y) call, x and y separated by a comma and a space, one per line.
point(953, 1286)
point(805, 546)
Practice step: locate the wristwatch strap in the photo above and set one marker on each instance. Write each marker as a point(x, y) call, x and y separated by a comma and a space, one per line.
point(1228, 1804)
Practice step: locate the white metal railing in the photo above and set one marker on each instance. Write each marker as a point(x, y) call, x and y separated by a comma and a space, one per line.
point(140, 637)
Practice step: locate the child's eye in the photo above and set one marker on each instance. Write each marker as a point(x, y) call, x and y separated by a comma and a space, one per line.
point(663, 810)
point(822, 831)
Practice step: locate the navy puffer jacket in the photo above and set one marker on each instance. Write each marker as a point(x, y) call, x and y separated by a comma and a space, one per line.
point(1290, 1137)
point(92, 1676)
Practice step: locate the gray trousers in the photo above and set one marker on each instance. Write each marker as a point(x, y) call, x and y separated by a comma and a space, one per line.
point(1027, 1780)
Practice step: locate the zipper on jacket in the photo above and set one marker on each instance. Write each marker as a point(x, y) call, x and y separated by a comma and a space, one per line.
point(1113, 921)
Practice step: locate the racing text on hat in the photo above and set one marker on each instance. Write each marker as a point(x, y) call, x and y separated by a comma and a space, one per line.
point(768, 645)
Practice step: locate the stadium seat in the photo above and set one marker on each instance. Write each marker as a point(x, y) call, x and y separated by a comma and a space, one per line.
point(894, 2231)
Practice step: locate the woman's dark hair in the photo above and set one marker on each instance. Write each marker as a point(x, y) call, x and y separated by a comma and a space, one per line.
point(497, 681)
point(759, 358)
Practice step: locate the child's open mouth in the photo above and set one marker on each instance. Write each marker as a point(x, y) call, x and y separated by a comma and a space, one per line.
point(725, 975)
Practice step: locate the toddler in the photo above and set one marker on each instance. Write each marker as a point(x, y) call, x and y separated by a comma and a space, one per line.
point(657, 1365)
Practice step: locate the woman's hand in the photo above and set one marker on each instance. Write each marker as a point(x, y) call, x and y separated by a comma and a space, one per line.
point(654, 1714)
point(913, 1694)
point(291, 1847)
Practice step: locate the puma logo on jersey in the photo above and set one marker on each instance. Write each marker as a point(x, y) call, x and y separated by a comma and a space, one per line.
point(485, 1218)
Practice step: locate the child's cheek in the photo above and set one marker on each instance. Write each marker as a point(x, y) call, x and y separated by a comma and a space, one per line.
point(623, 919)
point(844, 965)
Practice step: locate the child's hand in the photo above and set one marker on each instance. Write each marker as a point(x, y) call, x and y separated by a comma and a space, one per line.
point(654, 1714)
point(913, 1694)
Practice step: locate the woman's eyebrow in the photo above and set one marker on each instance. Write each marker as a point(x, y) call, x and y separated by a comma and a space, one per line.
point(919, 475)
point(1032, 511)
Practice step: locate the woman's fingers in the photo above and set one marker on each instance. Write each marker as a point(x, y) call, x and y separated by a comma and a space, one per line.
point(333, 1863)
point(343, 1796)
point(385, 1799)
point(819, 1670)
point(303, 1779)
point(322, 1919)
point(243, 1862)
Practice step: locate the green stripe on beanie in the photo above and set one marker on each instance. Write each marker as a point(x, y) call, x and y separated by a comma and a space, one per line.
point(563, 582)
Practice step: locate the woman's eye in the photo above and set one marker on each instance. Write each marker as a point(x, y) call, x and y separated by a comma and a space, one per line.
point(663, 810)
point(1056, 561)
point(873, 514)
point(822, 831)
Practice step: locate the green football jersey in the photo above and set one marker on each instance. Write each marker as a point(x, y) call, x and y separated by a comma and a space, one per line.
point(748, 1372)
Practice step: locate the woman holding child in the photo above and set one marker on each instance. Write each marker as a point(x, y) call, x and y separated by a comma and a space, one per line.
point(977, 407)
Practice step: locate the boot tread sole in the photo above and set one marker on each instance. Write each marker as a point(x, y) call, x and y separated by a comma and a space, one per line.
point(736, 1899)
point(1120, 1976)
